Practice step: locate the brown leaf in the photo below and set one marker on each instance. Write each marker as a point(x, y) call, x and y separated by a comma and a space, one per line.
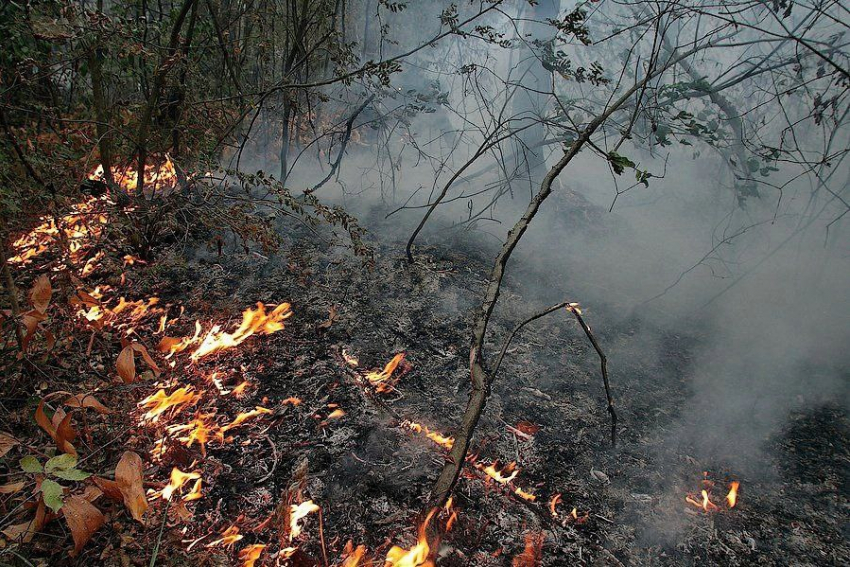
point(140, 348)
point(528, 427)
point(7, 442)
point(65, 434)
point(63, 441)
point(25, 531)
point(83, 520)
point(129, 478)
point(41, 293)
point(12, 487)
point(126, 365)
point(109, 487)
point(332, 317)
point(166, 343)
point(31, 319)
point(86, 401)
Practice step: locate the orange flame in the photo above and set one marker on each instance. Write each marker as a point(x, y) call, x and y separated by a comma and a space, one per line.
point(381, 381)
point(178, 479)
point(416, 556)
point(251, 554)
point(228, 537)
point(156, 176)
point(732, 497)
point(443, 441)
point(553, 503)
point(503, 476)
point(159, 403)
point(242, 418)
point(296, 513)
point(199, 431)
point(706, 504)
point(254, 321)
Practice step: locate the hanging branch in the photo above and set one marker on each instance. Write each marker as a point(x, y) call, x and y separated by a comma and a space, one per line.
point(576, 311)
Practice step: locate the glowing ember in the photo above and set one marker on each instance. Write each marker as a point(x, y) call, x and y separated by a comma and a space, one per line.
point(254, 321)
point(160, 402)
point(381, 381)
point(195, 493)
point(441, 440)
point(416, 556)
point(228, 537)
point(156, 176)
point(298, 512)
point(525, 495)
point(178, 479)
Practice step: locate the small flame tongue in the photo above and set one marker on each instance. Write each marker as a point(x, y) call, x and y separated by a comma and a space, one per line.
point(416, 556)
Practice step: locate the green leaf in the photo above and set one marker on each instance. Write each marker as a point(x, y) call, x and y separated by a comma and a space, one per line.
point(52, 493)
point(619, 163)
point(60, 462)
point(71, 474)
point(31, 465)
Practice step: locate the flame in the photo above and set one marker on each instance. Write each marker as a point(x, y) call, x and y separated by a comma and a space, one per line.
point(416, 556)
point(574, 307)
point(553, 503)
point(706, 504)
point(353, 556)
point(156, 176)
point(381, 380)
point(159, 403)
point(78, 228)
point(242, 418)
point(178, 479)
point(524, 495)
point(441, 440)
point(254, 321)
point(251, 554)
point(195, 493)
point(228, 537)
point(531, 555)
point(298, 512)
point(200, 431)
point(503, 476)
point(732, 497)
point(336, 414)
point(452, 512)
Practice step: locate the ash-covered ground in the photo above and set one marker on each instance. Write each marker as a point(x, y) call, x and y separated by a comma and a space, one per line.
point(371, 476)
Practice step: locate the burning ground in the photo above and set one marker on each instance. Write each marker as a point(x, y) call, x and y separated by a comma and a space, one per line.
point(307, 428)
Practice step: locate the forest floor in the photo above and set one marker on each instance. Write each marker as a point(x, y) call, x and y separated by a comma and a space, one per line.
point(325, 436)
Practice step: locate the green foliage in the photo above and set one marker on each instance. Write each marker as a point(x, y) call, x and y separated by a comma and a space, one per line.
point(619, 163)
point(52, 493)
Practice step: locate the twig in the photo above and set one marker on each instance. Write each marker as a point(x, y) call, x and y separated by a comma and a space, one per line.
point(159, 536)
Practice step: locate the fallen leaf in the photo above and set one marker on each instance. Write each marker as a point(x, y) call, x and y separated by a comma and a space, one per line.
point(140, 348)
point(83, 520)
point(12, 487)
point(7, 443)
point(109, 487)
point(63, 443)
point(126, 365)
point(41, 293)
point(86, 401)
point(31, 319)
point(130, 480)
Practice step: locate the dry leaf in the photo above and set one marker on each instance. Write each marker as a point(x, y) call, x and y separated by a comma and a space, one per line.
point(12, 487)
point(63, 443)
point(31, 319)
point(129, 478)
point(86, 401)
point(109, 487)
point(7, 442)
point(83, 520)
point(41, 293)
point(140, 348)
point(126, 365)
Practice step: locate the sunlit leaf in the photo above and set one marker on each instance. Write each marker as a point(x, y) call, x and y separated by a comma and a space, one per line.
point(130, 480)
point(41, 293)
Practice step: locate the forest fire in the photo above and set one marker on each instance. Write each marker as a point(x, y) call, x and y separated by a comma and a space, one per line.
point(254, 321)
point(297, 512)
point(382, 380)
point(177, 481)
point(704, 502)
point(157, 177)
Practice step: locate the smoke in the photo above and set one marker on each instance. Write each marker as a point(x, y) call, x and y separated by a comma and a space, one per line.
point(761, 287)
